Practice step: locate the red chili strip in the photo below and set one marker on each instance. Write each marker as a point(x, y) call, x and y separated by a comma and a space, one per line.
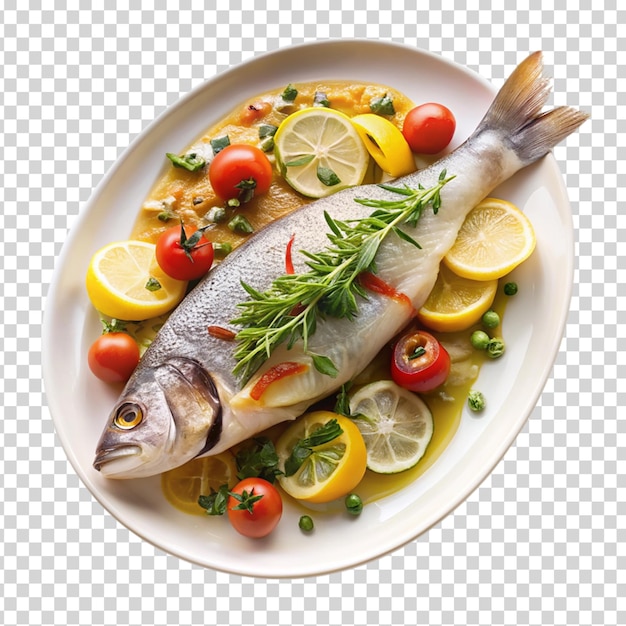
point(374, 283)
point(288, 261)
point(278, 372)
point(222, 333)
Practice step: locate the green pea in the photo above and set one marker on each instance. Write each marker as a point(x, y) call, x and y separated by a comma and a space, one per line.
point(354, 504)
point(510, 289)
point(479, 340)
point(476, 400)
point(491, 319)
point(306, 523)
point(495, 349)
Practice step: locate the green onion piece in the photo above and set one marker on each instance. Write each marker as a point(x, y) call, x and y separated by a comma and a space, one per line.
point(382, 106)
point(220, 143)
point(222, 248)
point(192, 162)
point(321, 99)
point(153, 284)
point(267, 130)
point(419, 351)
point(216, 214)
point(165, 216)
point(240, 224)
point(290, 93)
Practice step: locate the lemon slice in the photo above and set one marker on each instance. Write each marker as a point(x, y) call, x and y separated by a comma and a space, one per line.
point(319, 152)
point(455, 303)
point(385, 143)
point(117, 277)
point(396, 425)
point(333, 469)
point(494, 239)
point(182, 486)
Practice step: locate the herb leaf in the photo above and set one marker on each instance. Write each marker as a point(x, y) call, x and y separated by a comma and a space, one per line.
point(219, 143)
point(303, 160)
point(215, 502)
point(382, 106)
point(258, 459)
point(289, 309)
point(304, 447)
point(327, 177)
point(191, 162)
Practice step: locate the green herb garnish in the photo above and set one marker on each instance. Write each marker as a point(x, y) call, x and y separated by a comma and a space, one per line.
point(303, 160)
point(215, 503)
point(153, 284)
point(290, 93)
point(191, 162)
point(258, 459)
point(240, 224)
point(304, 447)
point(327, 177)
point(290, 308)
point(320, 99)
point(220, 143)
point(382, 106)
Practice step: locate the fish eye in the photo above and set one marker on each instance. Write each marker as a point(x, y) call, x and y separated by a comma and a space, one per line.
point(128, 416)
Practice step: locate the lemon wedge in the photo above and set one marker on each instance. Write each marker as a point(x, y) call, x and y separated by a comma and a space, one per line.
point(455, 303)
point(494, 239)
point(182, 486)
point(395, 423)
point(385, 143)
point(319, 152)
point(119, 282)
point(332, 469)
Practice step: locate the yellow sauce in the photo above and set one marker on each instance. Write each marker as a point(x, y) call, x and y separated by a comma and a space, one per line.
point(189, 196)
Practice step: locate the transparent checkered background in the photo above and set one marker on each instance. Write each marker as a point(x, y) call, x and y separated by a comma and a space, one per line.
point(541, 541)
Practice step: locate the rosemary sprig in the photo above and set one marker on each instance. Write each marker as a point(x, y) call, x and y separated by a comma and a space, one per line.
point(290, 308)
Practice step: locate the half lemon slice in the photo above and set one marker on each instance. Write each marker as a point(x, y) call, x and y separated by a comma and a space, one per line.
point(332, 469)
point(385, 143)
point(182, 486)
point(455, 303)
point(319, 152)
point(395, 423)
point(124, 281)
point(494, 239)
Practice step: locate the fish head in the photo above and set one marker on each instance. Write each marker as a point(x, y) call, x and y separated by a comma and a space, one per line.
point(167, 414)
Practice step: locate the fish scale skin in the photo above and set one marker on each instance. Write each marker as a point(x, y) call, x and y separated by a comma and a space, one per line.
point(513, 134)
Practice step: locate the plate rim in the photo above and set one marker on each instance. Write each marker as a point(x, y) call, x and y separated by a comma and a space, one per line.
point(84, 214)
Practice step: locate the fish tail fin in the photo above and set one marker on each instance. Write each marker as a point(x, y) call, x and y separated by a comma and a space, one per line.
point(517, 114)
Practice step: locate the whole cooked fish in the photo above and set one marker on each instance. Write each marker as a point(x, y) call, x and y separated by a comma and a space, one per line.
point(183, 400)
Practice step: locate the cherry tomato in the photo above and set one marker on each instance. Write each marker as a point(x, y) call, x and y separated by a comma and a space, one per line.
point(256, 508)
point(183, 253)
point(240, 171)
point(428, 128)
point(419, 362)
point(113, 357)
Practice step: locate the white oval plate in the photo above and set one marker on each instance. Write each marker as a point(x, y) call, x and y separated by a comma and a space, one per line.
point(534, 324)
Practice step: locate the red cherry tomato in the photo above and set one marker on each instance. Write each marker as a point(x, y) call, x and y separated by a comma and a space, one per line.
point(240, 171)
point(428, 128)
point(113, 357)
point(183, 253)
point(419, 362)
point(251, 515)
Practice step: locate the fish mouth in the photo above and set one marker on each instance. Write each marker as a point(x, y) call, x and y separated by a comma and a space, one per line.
point(116, 455)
